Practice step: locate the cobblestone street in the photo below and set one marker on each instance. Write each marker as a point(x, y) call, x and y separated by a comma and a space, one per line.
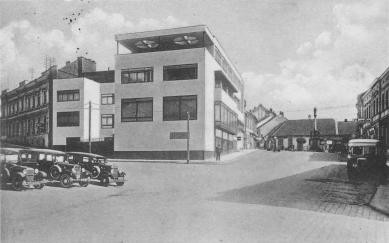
point(259, 197)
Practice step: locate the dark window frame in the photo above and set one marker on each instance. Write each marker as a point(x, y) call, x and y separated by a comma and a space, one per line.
point(148, 75)
point(62, 115)
point(103, 96)
point(181, 67)
point(68, 93)
point(179, 99)
point(104, 116)
point(138, 118)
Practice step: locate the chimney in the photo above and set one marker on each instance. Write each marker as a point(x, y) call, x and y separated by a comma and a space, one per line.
point(345, 120)
point(67, 62)
point(309, 117)
point(22, 83)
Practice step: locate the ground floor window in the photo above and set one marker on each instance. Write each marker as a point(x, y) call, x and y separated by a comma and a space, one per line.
point(68, 119)
point(176, 108)
point(107, 121)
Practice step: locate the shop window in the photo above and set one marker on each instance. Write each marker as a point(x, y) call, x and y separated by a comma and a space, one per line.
point(176, 108)
point(137, 110)
point(68, 119)
point(107, 99)
point(107, 121)
point(180, 72)
point(138, 75)
point(68, 95)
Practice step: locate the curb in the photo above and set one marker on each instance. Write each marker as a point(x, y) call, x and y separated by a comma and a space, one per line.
point(375, 202)
point(205, 162)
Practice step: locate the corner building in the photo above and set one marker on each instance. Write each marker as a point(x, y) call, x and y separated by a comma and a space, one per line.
point(167, 74)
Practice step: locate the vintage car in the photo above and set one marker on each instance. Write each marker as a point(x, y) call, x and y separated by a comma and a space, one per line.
point(19, 176)
point(55, 164)
point(98, 166)
point(365, 153)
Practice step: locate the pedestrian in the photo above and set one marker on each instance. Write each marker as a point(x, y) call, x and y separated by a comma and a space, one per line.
point(218, 152)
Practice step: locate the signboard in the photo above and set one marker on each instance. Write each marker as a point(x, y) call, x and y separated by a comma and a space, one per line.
point(329, 142)
point(178, 135)
point(40, 125)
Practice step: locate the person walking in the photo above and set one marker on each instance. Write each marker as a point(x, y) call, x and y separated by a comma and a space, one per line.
point(218, 152)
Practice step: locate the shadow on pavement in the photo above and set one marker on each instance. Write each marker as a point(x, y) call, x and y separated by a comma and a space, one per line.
point(311, 190)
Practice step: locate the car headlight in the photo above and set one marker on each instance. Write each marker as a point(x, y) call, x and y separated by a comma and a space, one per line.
point(25, 171)
point(83, 170)
point(349, 156)
point(36, 171)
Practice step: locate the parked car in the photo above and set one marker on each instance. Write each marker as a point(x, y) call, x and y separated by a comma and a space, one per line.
point(98, 166)
point(19, 176)
point(365, 153)
point(55, 164)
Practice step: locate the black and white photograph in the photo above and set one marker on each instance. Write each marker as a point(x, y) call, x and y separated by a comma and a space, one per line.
point(204, 121)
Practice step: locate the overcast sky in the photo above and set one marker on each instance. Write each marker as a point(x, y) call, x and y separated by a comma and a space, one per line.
point(292, 54)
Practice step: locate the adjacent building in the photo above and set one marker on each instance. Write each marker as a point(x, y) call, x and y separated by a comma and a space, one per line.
point(27, 111)
point(170, 75)
point(373, 109)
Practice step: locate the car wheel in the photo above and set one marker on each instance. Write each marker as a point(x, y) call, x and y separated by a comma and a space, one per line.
point(17, 183)
point(41, 185)
point(120, 183)
point(84, 183)
point(54, 173)
point(66, 181)
point(104, 180)
point(95, 172)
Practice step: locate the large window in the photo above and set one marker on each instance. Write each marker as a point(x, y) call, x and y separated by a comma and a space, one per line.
point(225, 117)
point(68, 95)
point(180, 72)
point(135, 110)
point(107, 99)
point(68, 119)
point(176, 108)
point(138, 75)
point(107, 121)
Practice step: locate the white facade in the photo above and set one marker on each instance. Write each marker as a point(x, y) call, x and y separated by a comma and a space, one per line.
point(83, 92)
point(155, 138)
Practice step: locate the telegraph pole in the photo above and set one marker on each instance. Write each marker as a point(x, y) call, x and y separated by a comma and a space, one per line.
point(90, 121)
point(187, 143)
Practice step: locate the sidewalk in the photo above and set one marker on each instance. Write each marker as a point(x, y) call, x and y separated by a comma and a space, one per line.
point(380, 201)
point(223, 159)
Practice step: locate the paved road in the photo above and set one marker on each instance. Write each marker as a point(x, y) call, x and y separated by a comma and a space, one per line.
point(184, 203)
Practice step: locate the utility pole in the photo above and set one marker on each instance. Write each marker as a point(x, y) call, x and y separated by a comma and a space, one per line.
point(90, 121)
point(187, 143)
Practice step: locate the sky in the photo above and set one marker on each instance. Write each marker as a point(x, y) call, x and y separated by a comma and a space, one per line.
point(293, 55)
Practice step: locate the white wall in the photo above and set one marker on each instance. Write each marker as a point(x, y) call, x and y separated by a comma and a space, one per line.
point(89, 90)
point(155, 135)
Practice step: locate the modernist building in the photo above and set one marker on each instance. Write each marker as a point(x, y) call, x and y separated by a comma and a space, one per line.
point(168, 74)
point(83, 111)
point(27, 111)
point(373, 109)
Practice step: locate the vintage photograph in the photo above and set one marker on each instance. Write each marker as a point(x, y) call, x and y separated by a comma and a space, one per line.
point(194, 121)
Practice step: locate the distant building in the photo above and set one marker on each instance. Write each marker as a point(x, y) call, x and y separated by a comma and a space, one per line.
point(27, 111)
point(267, 126)
point(250, 137)
point(260, 112)
point(334, 135)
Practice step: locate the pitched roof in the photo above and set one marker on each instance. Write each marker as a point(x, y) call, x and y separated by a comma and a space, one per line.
point(305, 126)
point(347, 128)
